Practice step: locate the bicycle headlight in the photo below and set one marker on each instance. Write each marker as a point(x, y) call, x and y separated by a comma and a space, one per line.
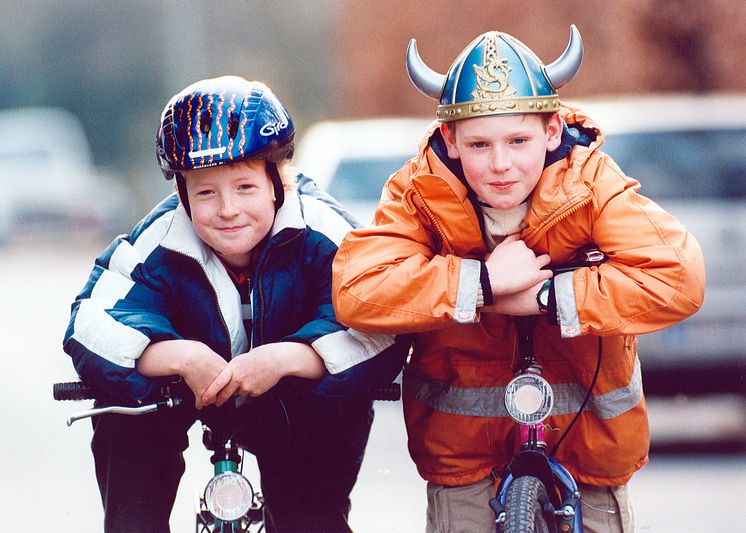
point(228, 496)
point(529, 399)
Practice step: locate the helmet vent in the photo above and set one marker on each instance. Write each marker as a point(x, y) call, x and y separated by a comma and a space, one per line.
point(233, 126)
point(205, 122)
point(180, 132)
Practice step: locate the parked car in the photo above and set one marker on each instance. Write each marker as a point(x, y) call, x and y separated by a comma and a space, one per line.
point(49, 183)
point(351, 159)
point(689, 154)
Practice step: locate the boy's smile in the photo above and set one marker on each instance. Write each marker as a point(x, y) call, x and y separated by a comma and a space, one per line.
point(502, 155)
point(233, 208)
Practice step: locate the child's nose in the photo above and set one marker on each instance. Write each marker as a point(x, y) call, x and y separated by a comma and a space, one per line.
point(501, 160)
point(228, 206)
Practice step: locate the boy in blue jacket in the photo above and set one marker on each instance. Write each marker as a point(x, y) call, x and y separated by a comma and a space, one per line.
point(227, 285)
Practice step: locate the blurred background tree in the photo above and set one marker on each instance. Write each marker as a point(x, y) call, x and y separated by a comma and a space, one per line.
point(116, 63)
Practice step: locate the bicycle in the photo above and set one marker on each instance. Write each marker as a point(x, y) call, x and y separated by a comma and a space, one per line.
point(228, 503)
point(537, 493)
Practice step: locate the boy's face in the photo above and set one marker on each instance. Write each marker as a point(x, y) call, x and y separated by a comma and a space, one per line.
point(233, 208)
point(502, 155)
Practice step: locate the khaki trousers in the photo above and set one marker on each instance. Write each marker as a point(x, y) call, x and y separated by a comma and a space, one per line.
point(465, 509)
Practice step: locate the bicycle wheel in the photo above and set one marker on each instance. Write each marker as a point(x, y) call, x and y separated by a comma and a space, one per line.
point(523, 506)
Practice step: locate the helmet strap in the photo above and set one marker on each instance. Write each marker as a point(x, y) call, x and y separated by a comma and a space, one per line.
point(274, 175)
point(182, 190)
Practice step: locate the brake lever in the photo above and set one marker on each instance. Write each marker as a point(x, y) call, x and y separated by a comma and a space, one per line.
point(123, 410)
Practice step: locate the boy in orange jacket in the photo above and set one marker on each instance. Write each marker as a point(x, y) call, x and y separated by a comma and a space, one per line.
point(507, 182)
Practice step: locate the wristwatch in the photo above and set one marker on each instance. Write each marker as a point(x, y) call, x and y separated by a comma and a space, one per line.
point(542, 297)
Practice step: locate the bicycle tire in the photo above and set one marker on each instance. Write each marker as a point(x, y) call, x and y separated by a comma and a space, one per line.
point(524, 505)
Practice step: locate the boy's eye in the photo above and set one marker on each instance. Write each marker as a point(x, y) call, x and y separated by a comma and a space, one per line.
point(204, 192)
point(479, 144)
point(246, 186)
point(519, 140)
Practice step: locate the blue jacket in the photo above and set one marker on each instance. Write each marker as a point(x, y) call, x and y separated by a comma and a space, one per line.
point(161, 282)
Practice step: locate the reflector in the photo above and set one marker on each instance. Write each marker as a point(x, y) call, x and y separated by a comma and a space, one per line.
point(529, 399)
point(228, 496)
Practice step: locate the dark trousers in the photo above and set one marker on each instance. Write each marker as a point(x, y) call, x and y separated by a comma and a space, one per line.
point(309, 451)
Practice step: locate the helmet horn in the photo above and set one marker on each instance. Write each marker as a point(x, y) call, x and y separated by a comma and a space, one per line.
point(427, 81)
point(567, 65)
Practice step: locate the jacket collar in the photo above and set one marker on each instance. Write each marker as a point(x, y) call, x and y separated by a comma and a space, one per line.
point(181, 237)
point(561, 186)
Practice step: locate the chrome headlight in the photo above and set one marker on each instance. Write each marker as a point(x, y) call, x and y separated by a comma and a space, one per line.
point(529, 399)
point(228, 496)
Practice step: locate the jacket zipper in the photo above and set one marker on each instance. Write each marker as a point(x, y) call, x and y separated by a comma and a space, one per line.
point(541, 231)
point(215, 299)
point(260, 293)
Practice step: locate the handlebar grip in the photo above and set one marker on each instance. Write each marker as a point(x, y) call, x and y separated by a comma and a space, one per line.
point(386, 393)
point(74, 390)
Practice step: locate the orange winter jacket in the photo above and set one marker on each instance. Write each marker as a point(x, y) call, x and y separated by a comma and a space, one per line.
point(404, 275)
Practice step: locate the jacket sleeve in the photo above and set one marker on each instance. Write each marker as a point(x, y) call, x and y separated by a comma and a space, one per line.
point(655, 274)
point(354, 360)
point(119, 312)
point(392, 277)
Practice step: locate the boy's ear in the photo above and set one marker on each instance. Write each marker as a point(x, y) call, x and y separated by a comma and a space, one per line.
point(449, 136)
point(554, 132)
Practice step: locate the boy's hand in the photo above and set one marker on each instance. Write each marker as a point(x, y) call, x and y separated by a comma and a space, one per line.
point(513, 268)
point(252, 373)
point(255, 372)
point(521, 303)
point(194, 361)
point(200, 368)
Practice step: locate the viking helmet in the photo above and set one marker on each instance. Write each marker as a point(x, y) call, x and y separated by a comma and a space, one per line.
point(496, 74)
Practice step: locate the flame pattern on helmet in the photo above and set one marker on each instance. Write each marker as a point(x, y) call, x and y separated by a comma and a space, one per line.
point(221, 120)
point(496, 74)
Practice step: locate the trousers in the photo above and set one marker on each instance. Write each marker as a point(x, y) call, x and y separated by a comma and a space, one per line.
point(309, 451)
point(465, 509)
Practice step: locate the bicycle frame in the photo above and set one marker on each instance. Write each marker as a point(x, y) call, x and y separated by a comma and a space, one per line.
point(226, 461)
point(530, 458)
point(568, 511)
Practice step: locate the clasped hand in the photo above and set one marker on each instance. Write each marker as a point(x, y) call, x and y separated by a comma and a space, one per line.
point(516, 274)
point(213, 380)
point(250, 374)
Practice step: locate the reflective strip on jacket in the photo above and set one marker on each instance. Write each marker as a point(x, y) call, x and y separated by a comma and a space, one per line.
point(404, 275)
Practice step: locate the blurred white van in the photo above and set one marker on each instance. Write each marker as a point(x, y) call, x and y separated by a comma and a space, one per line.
point(351, 159)
point(48, 182)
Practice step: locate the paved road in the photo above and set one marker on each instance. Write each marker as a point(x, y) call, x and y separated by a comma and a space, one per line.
point(46, 468)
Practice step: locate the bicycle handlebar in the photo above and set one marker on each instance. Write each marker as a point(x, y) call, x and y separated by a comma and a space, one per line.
point(78, 390)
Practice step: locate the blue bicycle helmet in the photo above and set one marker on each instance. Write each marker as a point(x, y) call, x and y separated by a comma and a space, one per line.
point(223, 120)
